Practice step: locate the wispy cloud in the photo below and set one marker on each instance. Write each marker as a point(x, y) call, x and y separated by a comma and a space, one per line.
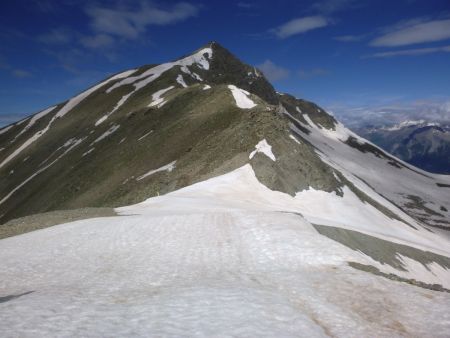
point(388, 113)
point(97, 41)
point(414, 32)
point(110, 25)
point(332, 6)
point(45, 6)
point(411, 52)
point(300, 26)
point(272, 71)
point(15, 72)
point(56, 36)
point(246, 5)
point(127, 22)
point(69, 58)
point(21, 73)
point(349, 38)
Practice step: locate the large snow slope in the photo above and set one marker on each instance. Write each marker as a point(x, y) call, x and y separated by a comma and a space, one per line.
point(224, 257)
point(389, 177)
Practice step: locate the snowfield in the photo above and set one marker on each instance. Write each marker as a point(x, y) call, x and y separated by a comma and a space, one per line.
point(152, 74)
point(375, 175)
point(223, 257)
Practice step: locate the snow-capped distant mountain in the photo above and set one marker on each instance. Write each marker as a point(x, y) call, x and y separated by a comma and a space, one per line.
point(409, 123)
point(423, 144)
point(247, 213)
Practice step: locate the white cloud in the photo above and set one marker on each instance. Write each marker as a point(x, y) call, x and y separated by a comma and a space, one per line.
point(130, 22)
point(332, 6)
point(349, 38)
point(21, 73)
point(45, 6)
point(411, 52)
point(300, 25)
point(16, 72)
point(414, 32)
point(246, 5)
point(97, 41)
point(432, 110)
point(56, 36)
point(272, 71)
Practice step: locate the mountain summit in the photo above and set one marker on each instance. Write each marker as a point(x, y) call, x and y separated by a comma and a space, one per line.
point(250, 213)
point(96, 148)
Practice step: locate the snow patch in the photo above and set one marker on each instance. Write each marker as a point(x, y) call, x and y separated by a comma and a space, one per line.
point(110, 131)
point(294, 138)
point(265, 148)
point(180, 80)
point(206, 87)
point(72, 143)
point(340, 132)
point(4, 130)
point(241, 97)
point(118, 105)
point(72, 103)
point(196, 76)
point(33, 120)
point(88, 152)
point(157, 100)
point(152, 74)
point(168, 167)
point(145, 135)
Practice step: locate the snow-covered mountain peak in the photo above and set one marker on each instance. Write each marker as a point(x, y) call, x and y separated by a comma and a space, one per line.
point(412, 123)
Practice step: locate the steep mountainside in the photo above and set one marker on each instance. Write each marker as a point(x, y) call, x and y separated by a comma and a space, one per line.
point(94, 149)
point(250, 213)
point(424, 145)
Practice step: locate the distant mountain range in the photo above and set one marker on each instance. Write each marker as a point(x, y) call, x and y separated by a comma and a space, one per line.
point(423, 144)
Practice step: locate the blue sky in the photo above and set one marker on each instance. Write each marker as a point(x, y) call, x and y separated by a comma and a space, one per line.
point(342, 54)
